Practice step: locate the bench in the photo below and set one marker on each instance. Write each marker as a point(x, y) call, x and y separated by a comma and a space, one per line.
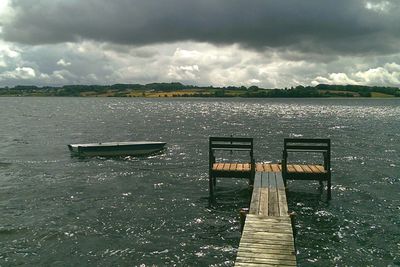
point(230, 170)
point(308, 172)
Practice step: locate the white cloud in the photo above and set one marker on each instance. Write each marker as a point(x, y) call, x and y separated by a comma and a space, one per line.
point(382, 6)
point(252, 81)
point(334, 78)
point(19, 73)
point(186, 62)
point(7, 52)
point(63, 63)
point(187, 54)
point(5, 10)
point(386, 75)
point(380, 75)
point(189, 68)
point(392, 67)
point(183, 73)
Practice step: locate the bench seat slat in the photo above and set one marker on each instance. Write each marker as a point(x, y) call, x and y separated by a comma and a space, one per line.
point(233, 167)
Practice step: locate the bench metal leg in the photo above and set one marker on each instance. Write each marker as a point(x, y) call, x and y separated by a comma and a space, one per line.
point(329, 185)
point(211, 186)
point(284, 180)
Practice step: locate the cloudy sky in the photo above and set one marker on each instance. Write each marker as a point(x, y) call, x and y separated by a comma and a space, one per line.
point(268, 43)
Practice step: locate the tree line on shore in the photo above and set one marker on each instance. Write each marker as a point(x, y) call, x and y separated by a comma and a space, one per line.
point(178, 89)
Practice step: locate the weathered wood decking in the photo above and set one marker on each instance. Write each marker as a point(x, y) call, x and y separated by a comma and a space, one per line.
point(267, 238)
point(269, 167)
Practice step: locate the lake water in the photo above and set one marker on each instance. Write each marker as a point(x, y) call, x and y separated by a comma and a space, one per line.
point(57, 210)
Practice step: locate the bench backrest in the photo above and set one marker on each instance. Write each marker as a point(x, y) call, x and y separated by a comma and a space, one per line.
point(307, 144)
point(322, 145)
point(231, 144)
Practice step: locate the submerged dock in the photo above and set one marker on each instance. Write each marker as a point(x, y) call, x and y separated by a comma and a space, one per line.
point(267, 238)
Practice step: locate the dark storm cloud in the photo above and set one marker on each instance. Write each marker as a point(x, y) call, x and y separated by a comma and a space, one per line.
point(344, 26)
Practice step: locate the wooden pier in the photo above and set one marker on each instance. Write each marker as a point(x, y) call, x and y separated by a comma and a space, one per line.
point(267, 237)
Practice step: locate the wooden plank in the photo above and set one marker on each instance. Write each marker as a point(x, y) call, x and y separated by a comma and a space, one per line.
point(269, 218)
point(250, 231)
point(267, 261)
point(306, 169)
point(257, 180)
point(246, 167)
point(286, 245)
point(260, 255)
point(265, 180)
point(275, 168)
point(279, 180)
point(298, 168)
point(265, 242)
point(268, 167)
point(264, 195)
point(248, 264)
point(262, 236)
point(280, 247)
point(218, 166)
point(239, 167)
point(252, 240)
point(232, 166)
point(314, 169)
point(259, 167)
point(263, 167)
point(260, 226)
point(214, 166)
point(320, 168)
point(255, 200)
point(284, 230)
point(263, 204)
point(269, 238)
point(283, 208)
point(290, 168)
point(224, 166)
point(273, 207)
point(287, 259)
point(270, 222)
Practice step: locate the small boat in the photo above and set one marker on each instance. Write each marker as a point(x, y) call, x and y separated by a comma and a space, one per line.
point(110, 149)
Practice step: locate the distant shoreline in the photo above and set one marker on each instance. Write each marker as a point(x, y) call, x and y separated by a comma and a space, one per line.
point(166, 90)
point(204, 97)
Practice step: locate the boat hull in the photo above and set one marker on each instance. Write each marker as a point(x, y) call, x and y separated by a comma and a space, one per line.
point(113, 149)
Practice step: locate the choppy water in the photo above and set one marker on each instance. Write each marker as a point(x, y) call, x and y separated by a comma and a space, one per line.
point(62, 211)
